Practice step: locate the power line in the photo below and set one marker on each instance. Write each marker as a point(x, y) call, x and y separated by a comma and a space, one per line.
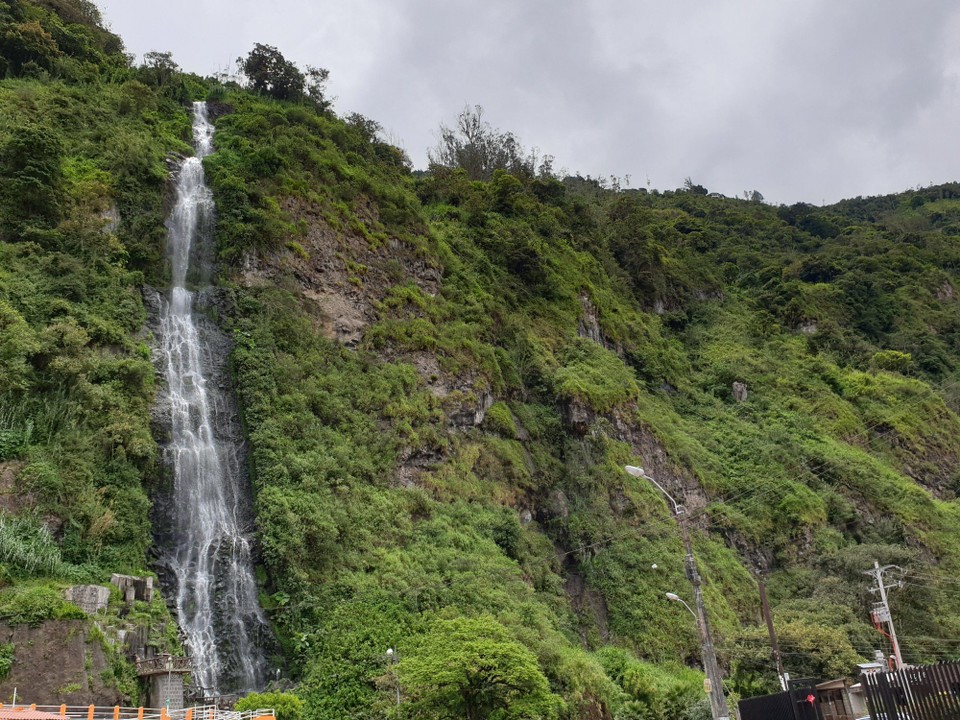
point(772, 486)
point(862, 647)
point(756, 492)
point(931, 576)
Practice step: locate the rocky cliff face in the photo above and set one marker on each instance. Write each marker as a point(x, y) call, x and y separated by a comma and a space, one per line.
point(342, 276)
point(63, 662)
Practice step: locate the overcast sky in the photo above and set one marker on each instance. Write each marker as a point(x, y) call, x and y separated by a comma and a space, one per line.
point(811, 100)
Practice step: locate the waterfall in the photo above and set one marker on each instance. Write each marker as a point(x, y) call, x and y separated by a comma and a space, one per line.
point(208, 555)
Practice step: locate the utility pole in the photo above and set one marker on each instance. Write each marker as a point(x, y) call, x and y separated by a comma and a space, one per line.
point(882, 611)
point(718, 703)
point(714, 683)
point(765, 606)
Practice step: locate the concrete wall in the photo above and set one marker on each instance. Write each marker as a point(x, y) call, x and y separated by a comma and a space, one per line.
point(166, 691)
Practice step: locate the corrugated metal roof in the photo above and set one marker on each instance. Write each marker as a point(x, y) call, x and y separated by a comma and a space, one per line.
point(25, 713)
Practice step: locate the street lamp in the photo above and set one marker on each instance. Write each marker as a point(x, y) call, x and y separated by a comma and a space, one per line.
point(718, 703)
point(638, 472)
point(391, 659)
point(676, 598)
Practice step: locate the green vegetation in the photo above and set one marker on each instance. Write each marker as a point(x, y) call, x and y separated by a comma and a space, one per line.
point(286, 706)
point(27, 548)
point(32, 604)
point(474, 668)
point(655, 692)
point(688, 293)
point(76, 382)
point(447, 481)
point(83, 140)
point(269, 72)
point(7, 655)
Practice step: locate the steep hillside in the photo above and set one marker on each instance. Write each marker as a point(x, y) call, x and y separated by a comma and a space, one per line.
point(83, 140)
point(442, 375)
point(515, 342)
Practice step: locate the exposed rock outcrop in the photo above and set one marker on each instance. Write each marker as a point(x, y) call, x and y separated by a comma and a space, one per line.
point(739, 391)
point(12, 497)
point(678, 480)
point(133, 587)
point(342, 275)
point(59, 662)
point(89, 598)
point(588, 326)
point(578, 416)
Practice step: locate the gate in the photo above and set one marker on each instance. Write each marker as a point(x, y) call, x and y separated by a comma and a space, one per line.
point(767, 707)
point(926, 692)
point(800, 702)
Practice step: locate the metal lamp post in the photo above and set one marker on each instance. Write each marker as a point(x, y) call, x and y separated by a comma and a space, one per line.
point(718, 703)
point(676, 598)
point(391, 659)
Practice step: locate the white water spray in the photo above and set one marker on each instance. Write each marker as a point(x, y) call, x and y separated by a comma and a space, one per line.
point(210, 557)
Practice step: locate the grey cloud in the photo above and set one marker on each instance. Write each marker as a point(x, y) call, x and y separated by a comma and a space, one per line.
point(802, 99)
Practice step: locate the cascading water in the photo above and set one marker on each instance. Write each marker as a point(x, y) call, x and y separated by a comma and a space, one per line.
point(208, 556)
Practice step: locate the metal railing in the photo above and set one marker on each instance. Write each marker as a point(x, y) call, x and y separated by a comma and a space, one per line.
point(921, 692)
point(117, 712)
point(164, 663)
point(85, 712)
point(212, 712)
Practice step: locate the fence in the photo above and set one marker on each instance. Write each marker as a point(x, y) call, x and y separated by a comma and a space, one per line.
point(800, 702)
point(767, 707)
point(928, 692)
point(95, 712)
point(164, 663)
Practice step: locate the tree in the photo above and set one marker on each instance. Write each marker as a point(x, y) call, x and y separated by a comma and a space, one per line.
point(691, 187)
point(816, 650)
point(287, 706)
point(159, 67)
point(83, 12)
point(473, 668)
point(18, 343)
point(367, 128)
point(272, 74)
point(28, 42)
point(316, 79)
point(30, 175)
point(269, 72)
point(480, 149)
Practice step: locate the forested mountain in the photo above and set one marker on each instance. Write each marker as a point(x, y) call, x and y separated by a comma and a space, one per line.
point(441, 376)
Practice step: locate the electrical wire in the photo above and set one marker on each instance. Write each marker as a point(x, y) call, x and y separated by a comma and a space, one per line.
point(911, 574)
point(774, 486)
point(757, 493)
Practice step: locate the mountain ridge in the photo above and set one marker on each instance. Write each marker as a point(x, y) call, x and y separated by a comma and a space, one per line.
point(441, 379)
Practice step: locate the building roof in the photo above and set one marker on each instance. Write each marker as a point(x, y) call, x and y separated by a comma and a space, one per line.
point(837, 684)
point(25, 713)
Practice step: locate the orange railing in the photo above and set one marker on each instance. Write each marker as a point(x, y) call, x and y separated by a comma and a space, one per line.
point(117, 712)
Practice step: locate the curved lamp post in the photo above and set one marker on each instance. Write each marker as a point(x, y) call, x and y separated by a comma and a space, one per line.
point(676, 598)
